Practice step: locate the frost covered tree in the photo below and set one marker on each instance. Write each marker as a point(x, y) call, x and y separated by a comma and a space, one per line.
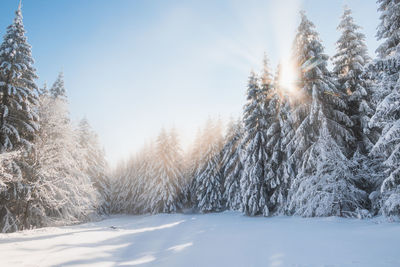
point(177, 155)
point(387, 147)
point(209, 181)
point(349, 63)
point(321, 128)
point(287, 170)
point(49, 187)
point(95, 161)
point(118, 188)
point(57, 166)
point(165, 187)
point(18, 90)
point(58, 88)
point(389, 27)
point(11, 187)
point(253, 182)
point(129, 190)
point(195, 158)
point(387, 115)
point(277, 180)
point(232, 167)
point(324, 186)
point(318, 92)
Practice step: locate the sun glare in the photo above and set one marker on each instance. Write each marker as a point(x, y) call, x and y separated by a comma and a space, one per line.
point(288, 78)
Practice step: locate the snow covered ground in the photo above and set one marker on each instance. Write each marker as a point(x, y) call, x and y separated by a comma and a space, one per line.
point(225, 239)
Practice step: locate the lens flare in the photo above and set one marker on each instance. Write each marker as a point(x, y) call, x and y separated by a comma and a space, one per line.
point(288, 78)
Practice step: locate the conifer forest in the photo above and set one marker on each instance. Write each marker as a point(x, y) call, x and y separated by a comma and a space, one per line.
point(323, 141)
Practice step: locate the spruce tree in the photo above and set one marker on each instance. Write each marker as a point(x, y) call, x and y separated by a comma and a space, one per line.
point(50, 187)
point(18, 90)
point(58, 88)
point(209, 179)
point(95, 162)
point(232, 166)
point(389, 27)
point(119, 188)
point(165, 191)
point(387, 115)
point(253, 182)
point(11, 190)
point(277, 182)
point(59, 165)
point(321, 129)
point(349, 63)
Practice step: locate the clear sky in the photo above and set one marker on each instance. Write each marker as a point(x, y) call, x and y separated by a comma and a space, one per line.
point(134, 66)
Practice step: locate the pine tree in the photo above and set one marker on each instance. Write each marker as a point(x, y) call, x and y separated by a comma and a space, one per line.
point(165, 187)
point(18, 91)
point(179, 166)
point(49, 186)
point(277, 182)
point(58, 88)
point(387, 115)
point(209, 180)
point(349, 61)
point(253, 182)
point(11, 188)
point(389, 27)
point(232, 167)
point(196, 158)
point(321, 129)
point(119, 188)
point(318, 94)
point(130, 191)
point(95, 162)
point(58, 165)
point(325, 186)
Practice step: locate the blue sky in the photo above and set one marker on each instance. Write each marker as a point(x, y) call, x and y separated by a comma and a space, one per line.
point(134, 66)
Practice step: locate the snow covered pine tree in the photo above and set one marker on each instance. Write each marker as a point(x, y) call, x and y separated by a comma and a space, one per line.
point(209, 183)
point(232, 167)
point(323, 185)
point(253, 182)
point(349, 62)
point(165, 188)
point(18, 118)
point(18, 121)
point(96, 164)
point(387, 115)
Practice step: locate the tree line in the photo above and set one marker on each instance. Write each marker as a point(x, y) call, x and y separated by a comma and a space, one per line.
point(329, 147)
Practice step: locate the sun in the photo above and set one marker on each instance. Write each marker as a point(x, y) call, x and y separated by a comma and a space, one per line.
point(288, 78)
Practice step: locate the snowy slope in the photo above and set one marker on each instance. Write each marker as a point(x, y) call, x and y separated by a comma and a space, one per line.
point(225, 239)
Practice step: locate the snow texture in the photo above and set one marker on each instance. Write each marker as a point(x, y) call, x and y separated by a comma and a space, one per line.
point(226, 239)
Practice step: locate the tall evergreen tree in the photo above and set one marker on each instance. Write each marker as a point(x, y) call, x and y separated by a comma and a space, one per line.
point(277, 181)
point(119, 188)
point(18, 90)
point(59, 162)
point(321, 128)
point(209, 179)
point(232, 166)
point(349, 63)
point(96, 164)
point(165, 188)
point(387, 115)
point(318, 94)
point(253, 182)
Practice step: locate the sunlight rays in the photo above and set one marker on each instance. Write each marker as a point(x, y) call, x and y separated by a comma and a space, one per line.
point(288, 78)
